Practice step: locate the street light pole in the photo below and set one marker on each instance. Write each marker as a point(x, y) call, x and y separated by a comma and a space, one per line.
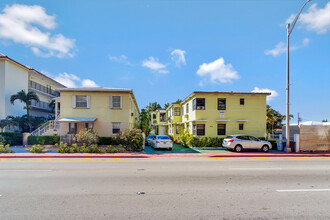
point(289, 30)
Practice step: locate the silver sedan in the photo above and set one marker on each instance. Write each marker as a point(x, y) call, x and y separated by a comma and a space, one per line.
point(240, 142)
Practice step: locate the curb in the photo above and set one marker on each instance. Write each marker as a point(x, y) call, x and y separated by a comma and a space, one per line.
point(160, 155)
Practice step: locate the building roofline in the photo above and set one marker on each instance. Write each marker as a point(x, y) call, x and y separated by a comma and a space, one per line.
point(94, 89)
point(226, 93)
point(2, 56)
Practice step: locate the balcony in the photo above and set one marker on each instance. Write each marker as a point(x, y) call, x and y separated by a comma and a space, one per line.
point(43, 90)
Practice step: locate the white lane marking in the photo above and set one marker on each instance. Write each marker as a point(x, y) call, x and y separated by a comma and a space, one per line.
point(26, 170)
point(254, 168)
point(303, 190)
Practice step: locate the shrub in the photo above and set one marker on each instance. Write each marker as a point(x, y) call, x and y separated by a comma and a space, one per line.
point(43, 140)
point(75, 148)
point(36, 149)
point(185, 137)
point(132, 139)
point(5, 149)
point(171, 137)
point(86, 136)
point(111, 149)
point(12, 138)
point(106, 141)
point(2, 140)
point(205, 142)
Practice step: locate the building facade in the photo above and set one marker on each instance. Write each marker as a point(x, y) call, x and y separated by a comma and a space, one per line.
point(219, 114)
point(158, 122)
point(106, 110)
point(15, 77)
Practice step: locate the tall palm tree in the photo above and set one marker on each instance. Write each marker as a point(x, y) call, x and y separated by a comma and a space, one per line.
point(3, 124)
point(26, 98)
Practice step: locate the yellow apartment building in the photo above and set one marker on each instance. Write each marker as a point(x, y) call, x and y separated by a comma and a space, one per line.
point(158, 122)
point(106, 110)
point(218, 114)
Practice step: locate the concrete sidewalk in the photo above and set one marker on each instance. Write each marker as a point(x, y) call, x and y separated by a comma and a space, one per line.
point(153, 155)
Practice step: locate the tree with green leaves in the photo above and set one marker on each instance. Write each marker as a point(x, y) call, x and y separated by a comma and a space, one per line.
point(3, 124)
point(166, 105)
point(153, 106)
point(25, 98)
point(274, 119)
point(21, 122)
point(144, 122)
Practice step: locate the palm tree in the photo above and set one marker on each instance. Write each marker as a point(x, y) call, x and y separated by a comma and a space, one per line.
point(26, 98)
point(21, 122)
point(3, 124)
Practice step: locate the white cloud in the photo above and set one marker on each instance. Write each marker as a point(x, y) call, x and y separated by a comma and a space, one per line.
point(270, 97)
point(154, 65)
point(178, 57)
point(119, 59)
point(88, 83)
point(218, 71)
point(281, 48)
point(73, 81)
point(20, 23)
point(316, 20)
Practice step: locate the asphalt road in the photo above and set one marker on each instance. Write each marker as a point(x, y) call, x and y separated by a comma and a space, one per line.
point(175, 188)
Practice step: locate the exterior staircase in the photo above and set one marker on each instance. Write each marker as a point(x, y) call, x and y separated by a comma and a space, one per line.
point(46, 129)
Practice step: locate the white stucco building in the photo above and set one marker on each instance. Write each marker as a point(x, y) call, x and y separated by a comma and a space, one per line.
point(15, 77)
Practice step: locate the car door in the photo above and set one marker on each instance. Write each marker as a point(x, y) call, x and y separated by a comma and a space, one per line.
point(254, 142)
point(244, 141)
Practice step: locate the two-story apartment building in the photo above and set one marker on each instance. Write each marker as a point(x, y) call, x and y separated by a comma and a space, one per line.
point(174, 119)
point(158, 122)
point(106, 110)
point(218, 114)
point(15, 77)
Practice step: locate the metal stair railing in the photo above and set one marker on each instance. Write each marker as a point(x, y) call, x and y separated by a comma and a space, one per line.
point(43, 128)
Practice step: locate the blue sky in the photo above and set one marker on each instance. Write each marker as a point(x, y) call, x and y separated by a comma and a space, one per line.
point(164, 50)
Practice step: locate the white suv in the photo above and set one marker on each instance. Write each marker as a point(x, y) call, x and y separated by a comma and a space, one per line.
point(242, 141)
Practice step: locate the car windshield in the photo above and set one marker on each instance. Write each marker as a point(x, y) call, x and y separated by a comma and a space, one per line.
point(163, 138)
point(151, 136)
point(253, 138)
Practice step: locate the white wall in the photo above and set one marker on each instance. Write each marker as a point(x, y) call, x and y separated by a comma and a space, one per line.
point(16, 79)
point(2, 90)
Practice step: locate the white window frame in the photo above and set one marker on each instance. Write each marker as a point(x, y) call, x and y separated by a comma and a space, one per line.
point(111, 102)
point(113, 127)
point(74, 101)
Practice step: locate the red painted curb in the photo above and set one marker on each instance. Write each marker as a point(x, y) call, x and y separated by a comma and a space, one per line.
point(162, 155)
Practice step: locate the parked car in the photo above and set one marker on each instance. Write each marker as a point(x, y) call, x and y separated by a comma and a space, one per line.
point(162, 142)
point(240, 142)
point(149, 139)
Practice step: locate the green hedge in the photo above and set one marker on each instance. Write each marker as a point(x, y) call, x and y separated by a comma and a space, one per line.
point(12, 138)
point(43, 140)
point(205, 142)
point(107, 141)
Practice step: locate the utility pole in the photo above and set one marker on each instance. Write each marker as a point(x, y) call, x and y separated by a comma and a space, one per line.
point(289, 30)
point(298, 119)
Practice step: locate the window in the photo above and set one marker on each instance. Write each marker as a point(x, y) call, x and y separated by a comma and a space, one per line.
point(116, 102)
point(243, 138)
point(153, 116)
point(221, 104)
point(187, 108)
point(177, 111)
point(177, 129)
point(241, 101)
point(221, 129)
point(81, 101)
point(222, 114)
point(199, 104)
point(115, 128)
point(253, 138)
point(162, 117)
point(240, 127)
point(72, 128)
point(200, 129)
point(89, 125)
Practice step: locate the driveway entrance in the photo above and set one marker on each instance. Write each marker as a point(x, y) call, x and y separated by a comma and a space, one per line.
point(176, 149)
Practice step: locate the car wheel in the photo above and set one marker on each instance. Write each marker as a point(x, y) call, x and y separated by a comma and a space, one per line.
point(238, 148)
point(265, 148)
